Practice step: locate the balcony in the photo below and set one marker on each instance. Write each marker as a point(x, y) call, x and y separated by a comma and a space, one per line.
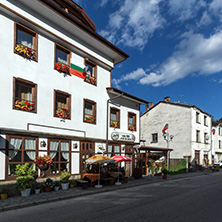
point(25, 51)
point(24, 105)
point(61, 67)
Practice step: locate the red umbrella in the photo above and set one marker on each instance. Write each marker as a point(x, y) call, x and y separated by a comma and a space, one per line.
point(120, 158)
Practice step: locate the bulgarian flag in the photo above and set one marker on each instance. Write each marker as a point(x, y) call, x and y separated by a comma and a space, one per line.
point(165, 128)
point(213, 131)
point(77, 71)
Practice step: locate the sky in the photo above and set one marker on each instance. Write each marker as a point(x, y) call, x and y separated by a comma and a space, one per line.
point(175, 48)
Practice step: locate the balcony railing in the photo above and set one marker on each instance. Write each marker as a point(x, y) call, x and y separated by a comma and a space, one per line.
point(25, 105)
point(90, 79)
point(61, 67)
point(25, 51)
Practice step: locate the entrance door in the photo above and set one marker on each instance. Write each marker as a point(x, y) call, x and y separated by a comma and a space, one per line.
point(87, 149)
point(197, 159)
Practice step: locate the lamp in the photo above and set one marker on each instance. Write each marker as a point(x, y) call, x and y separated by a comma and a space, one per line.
point(75, 145)
point(43, 143)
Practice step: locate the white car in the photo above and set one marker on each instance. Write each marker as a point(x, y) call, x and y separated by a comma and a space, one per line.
point(220, 163)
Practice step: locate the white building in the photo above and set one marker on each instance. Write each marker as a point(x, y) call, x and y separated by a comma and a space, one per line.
point(217, 141)
point(49, 105)
point(189, 125)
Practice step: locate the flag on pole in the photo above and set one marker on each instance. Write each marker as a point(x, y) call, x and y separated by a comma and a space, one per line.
point(213, 131)
point(165, 128)
point(77, 71)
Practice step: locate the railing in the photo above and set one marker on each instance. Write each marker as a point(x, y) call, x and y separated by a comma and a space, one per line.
point(90, 79)
point(61, 67)
point(25, 105)
point(25, 51)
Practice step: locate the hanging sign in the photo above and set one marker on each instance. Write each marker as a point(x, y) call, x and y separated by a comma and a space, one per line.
point(124, 137)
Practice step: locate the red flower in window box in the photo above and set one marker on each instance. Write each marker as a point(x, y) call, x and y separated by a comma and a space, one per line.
point(90, 119)
point(26, 106)
point(24, 51)
point(62, 67)
point(90, 79)
point(62, 113)
point(132, 128)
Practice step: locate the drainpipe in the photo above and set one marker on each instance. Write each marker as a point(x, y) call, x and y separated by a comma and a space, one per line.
point(107, 117)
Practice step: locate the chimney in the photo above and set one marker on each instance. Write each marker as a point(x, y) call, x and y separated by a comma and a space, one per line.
point(150, 104)
point(167, 99)
point(146, 107)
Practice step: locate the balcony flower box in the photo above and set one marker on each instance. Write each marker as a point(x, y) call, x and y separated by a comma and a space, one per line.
point(90, 79)
point(114, 124)
point(62, 67)
point(90, 119)
point(62, 113)
point(132, 128)
point(24, 105)
point(24, 51)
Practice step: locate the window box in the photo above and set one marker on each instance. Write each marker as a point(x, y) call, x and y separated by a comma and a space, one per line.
point(90, 79)
point(61, 67)
point(132, 128)
point(114, 124)
point(62, 113)
point(90, 119)
point(24, 95)
point(114, 117)
point(25, 42)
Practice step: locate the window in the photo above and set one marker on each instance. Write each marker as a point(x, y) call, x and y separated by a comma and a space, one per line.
point(24, 95)
point(206, 138)
point(20, 150)
point(62, 106)
point(197, 117)
point(62, 59)
point(198, 136)
point(154, 137)
point(205, 121)
point(91, 72)
point(89, 111)
point(113, 150)
point(219, 131)
point(114, 117)
point(132, 121)
point(220, 144)
point(59, 150)
point(26, 42)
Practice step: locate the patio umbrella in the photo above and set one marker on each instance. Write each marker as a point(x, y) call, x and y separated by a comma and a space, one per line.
point(120, 158)
point(100, 159)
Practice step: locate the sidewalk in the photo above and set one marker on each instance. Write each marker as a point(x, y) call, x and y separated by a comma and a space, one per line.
point(20, 202)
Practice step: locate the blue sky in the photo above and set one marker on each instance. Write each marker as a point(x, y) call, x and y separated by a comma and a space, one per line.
point(175, 48)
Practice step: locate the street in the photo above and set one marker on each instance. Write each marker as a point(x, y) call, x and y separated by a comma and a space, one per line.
point(188, 199)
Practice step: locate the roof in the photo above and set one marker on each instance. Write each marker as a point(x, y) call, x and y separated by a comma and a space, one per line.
point(126, 95)
point(77, 15)
point(176, 104)
point(152, 148)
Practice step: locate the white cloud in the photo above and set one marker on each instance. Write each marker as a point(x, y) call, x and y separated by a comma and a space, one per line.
point(205, 19)
point(185, 9)
point(220, 81)
point(216, 6)
point(195, 54)
point(103, 3)
point(134, 22)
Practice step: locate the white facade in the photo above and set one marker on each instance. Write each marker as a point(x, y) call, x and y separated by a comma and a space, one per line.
point(51, 28)
point(217, 142)
point(182, 125)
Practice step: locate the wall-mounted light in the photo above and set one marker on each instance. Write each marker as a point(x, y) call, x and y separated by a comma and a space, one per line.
point(43, 143)
point(75, 145)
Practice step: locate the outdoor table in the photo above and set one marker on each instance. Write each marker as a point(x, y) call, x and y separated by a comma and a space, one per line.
point(91, 176)
point(115, 174)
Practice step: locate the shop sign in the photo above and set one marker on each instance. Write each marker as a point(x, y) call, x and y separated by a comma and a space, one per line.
point(123, 137)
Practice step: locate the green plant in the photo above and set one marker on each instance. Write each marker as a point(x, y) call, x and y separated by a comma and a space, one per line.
point(3, 191)
point(24, 182)
point(57, 184)
point(65, 177)
point(25, 170)
point(48, 182)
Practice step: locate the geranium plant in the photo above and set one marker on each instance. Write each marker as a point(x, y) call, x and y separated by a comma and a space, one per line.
point(114, 124)
point(90, 79)
point(132, 128)
point(42, 160)
point(24, 105)
point(90, 119)
point(62, 113)
point(62, 67)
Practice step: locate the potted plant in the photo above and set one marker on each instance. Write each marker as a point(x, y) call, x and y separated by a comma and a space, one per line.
point(164, 171)
point(64, 178)
point(25, 179)
point(56, 185)
point(37, 188)
point(48, 184)
point(43, 163)
point(4, 193)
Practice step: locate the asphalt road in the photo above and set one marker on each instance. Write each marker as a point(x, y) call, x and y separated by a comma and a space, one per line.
point(191, 199)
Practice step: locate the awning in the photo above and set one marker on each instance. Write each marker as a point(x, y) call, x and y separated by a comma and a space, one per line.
point(152, 148)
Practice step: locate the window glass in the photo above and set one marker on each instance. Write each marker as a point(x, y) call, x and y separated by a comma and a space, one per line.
point(61, 56)
point(88, 109)
point(89, 69)
point(113, 115)
point(24, 38)
point(131, 120)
